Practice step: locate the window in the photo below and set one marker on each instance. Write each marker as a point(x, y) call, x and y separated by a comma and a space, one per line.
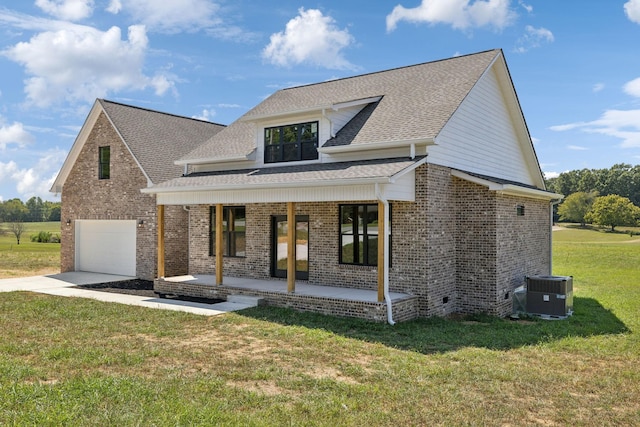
point(520, 210)
point(359, 234)
point(233, 231)
point(104, 157)
point(291, 142)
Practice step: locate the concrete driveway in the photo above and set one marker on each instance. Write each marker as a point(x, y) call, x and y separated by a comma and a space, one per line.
point(64, 284)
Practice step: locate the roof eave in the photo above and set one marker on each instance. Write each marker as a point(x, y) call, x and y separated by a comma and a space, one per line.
point(262, 186)
point(508, 189)
point(315, 109)
point(78, 143)
point(211, 160)
point(376, 146)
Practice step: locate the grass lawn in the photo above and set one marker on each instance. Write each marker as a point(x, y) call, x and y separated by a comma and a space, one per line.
point(28, 258)
point(67, 361)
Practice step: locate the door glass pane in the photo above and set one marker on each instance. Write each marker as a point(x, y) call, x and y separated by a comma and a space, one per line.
point(281, 245)
point(302, 246)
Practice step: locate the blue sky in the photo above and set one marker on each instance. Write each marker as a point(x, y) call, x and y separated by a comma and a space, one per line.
point(575, 65)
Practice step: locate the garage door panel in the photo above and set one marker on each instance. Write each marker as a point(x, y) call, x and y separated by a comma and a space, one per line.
point(106, 246)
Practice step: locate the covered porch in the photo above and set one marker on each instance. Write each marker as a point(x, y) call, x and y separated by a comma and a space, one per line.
point(330, 300)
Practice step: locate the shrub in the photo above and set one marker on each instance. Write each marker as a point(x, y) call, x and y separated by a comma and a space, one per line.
point(45, 237)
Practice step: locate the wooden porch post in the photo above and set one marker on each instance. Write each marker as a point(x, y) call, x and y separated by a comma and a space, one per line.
point(381, 243)
point(291, 247)
point(219, 248)
point(160, 220)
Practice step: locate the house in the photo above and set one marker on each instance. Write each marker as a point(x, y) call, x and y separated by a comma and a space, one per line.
point(405, 193)
point(108, 225)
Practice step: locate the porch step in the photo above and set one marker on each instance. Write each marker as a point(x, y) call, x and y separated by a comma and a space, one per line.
point(248, 300)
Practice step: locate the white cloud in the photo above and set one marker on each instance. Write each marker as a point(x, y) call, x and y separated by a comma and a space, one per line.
point(460, 14)
point(115, 6)
point(622, 124)
point(632, 10)
point(310, 38)
point(36, 180)
point(170, 16)
point(576, 148)
point(532, 38)
point(598, 87)
point(549, 175)
point(80, 63)
point(206, 115)
point(633, 87)
point(525, 6)
point(72, 10)
point(14, 134)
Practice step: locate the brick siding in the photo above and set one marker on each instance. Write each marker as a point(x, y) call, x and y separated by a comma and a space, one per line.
point(85, 197)
point(459, 248)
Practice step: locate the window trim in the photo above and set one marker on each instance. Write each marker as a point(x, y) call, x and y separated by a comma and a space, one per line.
point(230, 236)
point(366, 236)
point(299, 144)
point(102, 164)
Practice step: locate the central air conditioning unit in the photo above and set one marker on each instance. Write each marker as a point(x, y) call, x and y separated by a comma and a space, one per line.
point(550, 295)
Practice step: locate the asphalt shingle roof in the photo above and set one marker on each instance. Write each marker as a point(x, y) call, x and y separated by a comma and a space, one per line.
point(157, 139)
point(320, 173)
point(417, 101)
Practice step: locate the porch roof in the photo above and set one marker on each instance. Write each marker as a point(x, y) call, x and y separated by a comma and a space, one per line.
point(297, 182)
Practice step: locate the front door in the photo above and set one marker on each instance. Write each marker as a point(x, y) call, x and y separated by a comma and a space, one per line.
point(279, 246)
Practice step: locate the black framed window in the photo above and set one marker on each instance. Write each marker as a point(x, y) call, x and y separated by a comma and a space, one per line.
point(233, 231)
point(104, 162)
point(359, 234)
point(291, 143)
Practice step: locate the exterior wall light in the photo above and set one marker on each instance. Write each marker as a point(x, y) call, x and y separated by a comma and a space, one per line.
point(68, 223)
point(140, 223)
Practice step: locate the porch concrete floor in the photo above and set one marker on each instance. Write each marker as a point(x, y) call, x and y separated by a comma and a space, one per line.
point(302, 287)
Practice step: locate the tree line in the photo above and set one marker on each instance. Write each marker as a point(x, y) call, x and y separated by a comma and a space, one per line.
point(621, 179)
point(34, 210)
point(608, 197)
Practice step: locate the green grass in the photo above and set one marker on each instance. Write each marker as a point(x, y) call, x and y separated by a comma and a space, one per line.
point(28, 258)
point(67, 361)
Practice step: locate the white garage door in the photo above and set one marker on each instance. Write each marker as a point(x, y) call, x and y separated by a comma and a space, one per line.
point(106, 246)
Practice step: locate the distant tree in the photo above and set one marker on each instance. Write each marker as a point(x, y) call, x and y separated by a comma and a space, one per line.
point(35, 205)
point(575, 206)
point(17, 228)
point(621, 179)
point(613, 210)
point(14, 211)
point(53, 210)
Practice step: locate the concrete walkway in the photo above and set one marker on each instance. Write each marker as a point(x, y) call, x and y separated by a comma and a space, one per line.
point(64, 284)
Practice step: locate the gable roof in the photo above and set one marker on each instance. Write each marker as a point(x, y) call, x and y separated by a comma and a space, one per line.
point(415, 103)
point(153, 138)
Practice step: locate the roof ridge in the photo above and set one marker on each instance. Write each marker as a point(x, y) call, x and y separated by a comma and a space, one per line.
point(101, 100)
point(391, 69)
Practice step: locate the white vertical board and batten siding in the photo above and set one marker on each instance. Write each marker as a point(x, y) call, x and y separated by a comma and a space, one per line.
point(480, 137)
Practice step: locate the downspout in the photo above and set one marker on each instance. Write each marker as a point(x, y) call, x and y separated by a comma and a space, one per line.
point(188, 211)
point(551, 205)
point(387, 298)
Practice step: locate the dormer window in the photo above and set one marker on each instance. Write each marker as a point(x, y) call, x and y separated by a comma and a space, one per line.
point(291, 143)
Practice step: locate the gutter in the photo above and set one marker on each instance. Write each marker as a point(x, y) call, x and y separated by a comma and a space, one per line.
point(411, 143)
point(265, 185)
point(387, 297)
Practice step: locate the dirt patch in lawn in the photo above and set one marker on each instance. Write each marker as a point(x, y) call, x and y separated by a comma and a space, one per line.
point(131, 287)
point(143, 288)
